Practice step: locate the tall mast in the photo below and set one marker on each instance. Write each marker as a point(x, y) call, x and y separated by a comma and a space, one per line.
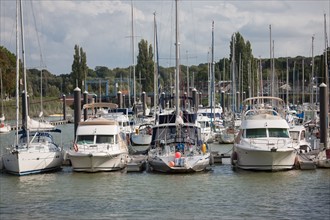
point(303, 81)
point(287, 82)
point(233, 81)
point(271, 57)
point(155, 70)
point(312, 98)
point(326, 75)
point(133, 54)
point(212, 71)
point(17, 69)
point(26, 127)
point(177, 60)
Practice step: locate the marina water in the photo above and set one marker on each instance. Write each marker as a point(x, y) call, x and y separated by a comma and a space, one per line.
point(220, 193)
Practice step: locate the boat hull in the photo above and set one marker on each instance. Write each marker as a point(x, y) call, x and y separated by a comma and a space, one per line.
point(5, 128)
point(23, 163)
point(268, 160)
point(184, 165)
point(141, 139)
point(97, 161)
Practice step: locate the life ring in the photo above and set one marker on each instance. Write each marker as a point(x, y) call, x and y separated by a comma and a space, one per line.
point(75, 147)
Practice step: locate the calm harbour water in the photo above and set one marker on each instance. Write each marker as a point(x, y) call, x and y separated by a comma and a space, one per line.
point(221, 193)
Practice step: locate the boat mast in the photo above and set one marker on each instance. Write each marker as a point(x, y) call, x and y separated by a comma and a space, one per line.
point(312, 80)
point(1, 86)
point(233, 81)
point(326, 54)
point(177, 61)
point(212, 73)
point(287, 82)
point(24, 77)
point(155, 69)
point(133, 56)
point(17, 70)
point(303, 81)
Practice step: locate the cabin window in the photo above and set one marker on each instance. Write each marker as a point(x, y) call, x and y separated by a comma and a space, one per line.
point(255, 133)
point(294, 135)
point(85, 139)
point(278, 132)
point(302, 135)
point(105, 139)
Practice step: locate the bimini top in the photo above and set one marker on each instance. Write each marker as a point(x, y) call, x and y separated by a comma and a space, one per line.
point(100, 105)
point(171, 118)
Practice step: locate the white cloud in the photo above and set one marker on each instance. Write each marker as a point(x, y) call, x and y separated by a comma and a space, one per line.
point(103, 29)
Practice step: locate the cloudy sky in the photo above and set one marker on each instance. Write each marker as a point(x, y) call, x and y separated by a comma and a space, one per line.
point(103, 29)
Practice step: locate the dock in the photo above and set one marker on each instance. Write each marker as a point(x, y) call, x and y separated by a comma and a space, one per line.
point(55, 123)
point(217, 156)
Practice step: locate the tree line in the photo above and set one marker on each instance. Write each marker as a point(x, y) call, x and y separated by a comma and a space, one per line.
point(248, 72)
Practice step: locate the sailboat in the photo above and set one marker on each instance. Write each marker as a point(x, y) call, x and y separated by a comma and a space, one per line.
point(4, 127)
point(33, 152)
point(176, 145)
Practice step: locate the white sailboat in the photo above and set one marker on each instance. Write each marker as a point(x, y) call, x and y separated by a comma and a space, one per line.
point(33, 152)
point(176, 145)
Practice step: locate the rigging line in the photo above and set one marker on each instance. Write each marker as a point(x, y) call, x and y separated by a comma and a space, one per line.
point(41, 58)
point(37, 34)
point(194, 28)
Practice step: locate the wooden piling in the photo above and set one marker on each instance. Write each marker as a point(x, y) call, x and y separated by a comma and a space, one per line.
point(64, 107)
point(324, 120)
point(77, 108)
point(85, 95)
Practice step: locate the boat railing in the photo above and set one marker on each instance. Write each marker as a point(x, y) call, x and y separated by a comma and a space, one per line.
point(268, 143)
point(97, 147)
point(252, 112)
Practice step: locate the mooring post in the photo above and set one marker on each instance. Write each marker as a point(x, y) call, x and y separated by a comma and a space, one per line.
point(77, 108)
point(119, 99)
point(64, 107)
point(324, 120)
point(144, 102)
point(194, 99)
point(85, 95)
point(222, 101)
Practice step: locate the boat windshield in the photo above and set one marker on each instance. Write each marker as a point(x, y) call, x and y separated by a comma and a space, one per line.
point(278, 132)
point(255, 133)
point(85, 139)
point(174, 134)
point(105, 139)
point(294, 135)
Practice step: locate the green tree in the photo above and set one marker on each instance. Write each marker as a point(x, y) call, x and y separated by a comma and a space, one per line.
point(8, 71)
point(244, 61)
point(145, 66)
point(79, 67)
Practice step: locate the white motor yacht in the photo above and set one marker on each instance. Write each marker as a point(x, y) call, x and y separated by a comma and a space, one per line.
point(264, 142)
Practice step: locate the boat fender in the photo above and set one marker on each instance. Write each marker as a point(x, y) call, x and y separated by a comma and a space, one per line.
point(2, 125)
point(75, 147)
point(137, 131)
point(204, 148)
